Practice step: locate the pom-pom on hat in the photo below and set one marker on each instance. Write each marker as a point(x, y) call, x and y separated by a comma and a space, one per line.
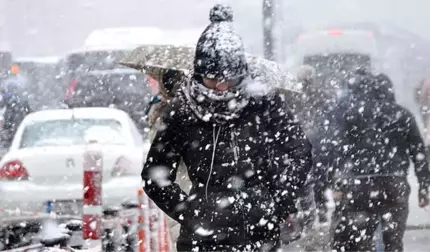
point(220, 53)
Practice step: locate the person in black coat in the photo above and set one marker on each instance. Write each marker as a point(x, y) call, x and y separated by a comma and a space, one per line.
point(314, 114)
point(377, 141)
point(16, 109)
point(246, 156)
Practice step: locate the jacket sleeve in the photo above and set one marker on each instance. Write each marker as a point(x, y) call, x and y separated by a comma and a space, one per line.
point(418, 155)
point(291, 156)
point(159, 171)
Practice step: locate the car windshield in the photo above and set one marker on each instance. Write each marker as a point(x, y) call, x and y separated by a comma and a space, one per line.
point(337, 63)
point(72, 132)
point(332, 69)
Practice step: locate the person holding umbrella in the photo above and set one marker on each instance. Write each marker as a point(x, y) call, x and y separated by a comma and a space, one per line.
point(246, 156)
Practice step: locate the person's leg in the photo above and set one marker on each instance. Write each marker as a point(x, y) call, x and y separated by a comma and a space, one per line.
point(321, 163)
point(321, 201)
point(308, 207)
point(189, 247)
point(394, 226)
point(379, 243)
point(353, 231)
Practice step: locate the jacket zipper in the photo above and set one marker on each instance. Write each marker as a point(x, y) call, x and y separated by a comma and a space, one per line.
point(215, 142)
point(236, 163)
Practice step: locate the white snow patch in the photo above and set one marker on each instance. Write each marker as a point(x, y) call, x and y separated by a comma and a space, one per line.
point(387, 216)
point(160, 175)
point(203, 232)
point(263, 222)
point(93, 225)
point(257, 88)
point(51, 231)
point(196, 212)
point(231, 200)
point(374, 194)
point(232, 104)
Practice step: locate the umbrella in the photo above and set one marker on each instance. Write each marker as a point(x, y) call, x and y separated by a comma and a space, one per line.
point(272, 74)
point(156, 60)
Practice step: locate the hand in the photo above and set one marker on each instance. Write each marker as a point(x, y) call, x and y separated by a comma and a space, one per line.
point(424, 200)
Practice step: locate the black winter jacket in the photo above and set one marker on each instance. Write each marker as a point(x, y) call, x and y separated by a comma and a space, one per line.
point(245, 174)
point(379, 138)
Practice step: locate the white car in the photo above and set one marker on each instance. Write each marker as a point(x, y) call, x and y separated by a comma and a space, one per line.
point(43, 168)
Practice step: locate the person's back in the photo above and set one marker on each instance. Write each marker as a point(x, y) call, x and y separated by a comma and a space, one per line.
point(380, 136)
point(378, 139)
point(314, 115)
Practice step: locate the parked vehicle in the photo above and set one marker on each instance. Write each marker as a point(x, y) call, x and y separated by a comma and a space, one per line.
point(126, 89)
point(45, 161)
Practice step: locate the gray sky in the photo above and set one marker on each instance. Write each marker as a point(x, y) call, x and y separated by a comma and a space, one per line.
point(52, 27)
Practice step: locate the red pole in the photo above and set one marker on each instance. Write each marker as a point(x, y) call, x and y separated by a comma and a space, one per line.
point(92, 209)
point(143, 222)
point(154, 226)
point(166, 235)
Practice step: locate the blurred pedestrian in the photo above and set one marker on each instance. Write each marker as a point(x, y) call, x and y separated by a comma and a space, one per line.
point(377, 141)
point(314, 114)
point(16, 109)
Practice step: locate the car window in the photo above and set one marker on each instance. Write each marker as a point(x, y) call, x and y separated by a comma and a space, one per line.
point(72, 132)
point(331, 63)
point(128, 83)
point(124, 90)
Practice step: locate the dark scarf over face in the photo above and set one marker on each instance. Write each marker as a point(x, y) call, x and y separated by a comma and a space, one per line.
point(213, 106)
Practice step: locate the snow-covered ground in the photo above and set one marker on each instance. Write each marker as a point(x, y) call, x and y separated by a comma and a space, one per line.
point(414, 240)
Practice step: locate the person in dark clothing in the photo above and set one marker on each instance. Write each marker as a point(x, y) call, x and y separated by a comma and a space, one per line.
point(16, 109)
point(314, 116)
point(423, 100)
point(245, 155)
point(378, 139)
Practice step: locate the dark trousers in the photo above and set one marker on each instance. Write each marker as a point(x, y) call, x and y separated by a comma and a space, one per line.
point(373, 201)
point(321, 162)
point(307, 206)
point(187, 247)
point(353, 230)
point(321, 200)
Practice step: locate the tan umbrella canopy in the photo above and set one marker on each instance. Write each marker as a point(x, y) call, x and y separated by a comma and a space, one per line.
point(156, 60)
point(271, 73)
